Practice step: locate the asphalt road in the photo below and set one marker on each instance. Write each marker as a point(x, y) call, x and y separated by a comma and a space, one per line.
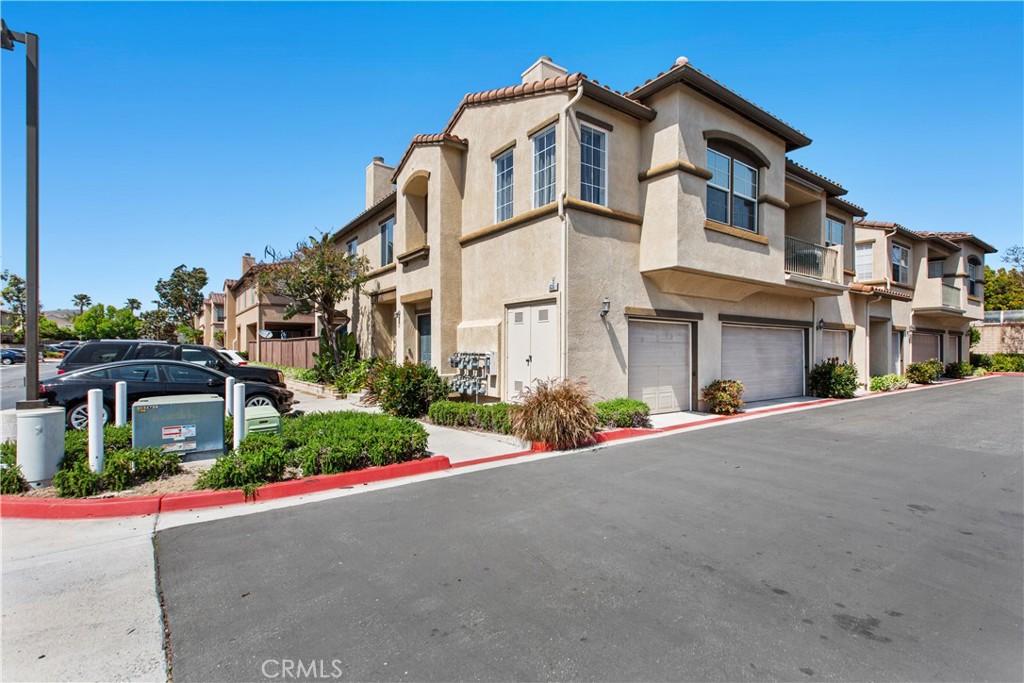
point(12, 382)
point(874, 540)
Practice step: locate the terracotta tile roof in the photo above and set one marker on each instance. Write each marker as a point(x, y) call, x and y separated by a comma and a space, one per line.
point(228, 284)
point(216, 297)
point(386, 200)
point(850, 207)
point(436, 139)
point(514, 91)
point(683, 71)
point(801, 171)
point(879, 291)
point(953, 237)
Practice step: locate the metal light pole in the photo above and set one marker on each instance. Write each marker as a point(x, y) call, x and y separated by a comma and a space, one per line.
point(31, 41)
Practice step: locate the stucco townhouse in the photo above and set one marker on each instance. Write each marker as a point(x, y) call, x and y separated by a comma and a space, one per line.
point(649, 241)
point(210, 320)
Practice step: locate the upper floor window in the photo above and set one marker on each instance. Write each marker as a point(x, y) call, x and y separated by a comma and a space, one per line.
point(834, 231)
point(219, 313)
point(865, 269)
point(974, 276)
point(935, 268)
point(593, 165)
point(352, 247)
point(900, 264)
point(732, 191)
point(503, 186)
point(544, 167)
point(387, 241)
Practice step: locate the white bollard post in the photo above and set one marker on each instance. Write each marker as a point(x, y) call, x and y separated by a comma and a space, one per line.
point(120, 403)
point(96, 430)
point(229, 395)
point(239, 413)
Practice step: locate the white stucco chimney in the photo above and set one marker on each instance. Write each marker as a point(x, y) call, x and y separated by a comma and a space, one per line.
point(378, 181)
point(541, 69)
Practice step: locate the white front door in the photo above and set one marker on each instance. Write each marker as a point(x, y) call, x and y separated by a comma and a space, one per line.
point(897, 353)
point(531, 343)
point(659, 365)
point(768, 361)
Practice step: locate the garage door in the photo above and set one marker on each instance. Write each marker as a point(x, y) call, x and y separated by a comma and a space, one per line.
point(835, 344)
point(659, 365)
point(925, 347)
point(769, 361)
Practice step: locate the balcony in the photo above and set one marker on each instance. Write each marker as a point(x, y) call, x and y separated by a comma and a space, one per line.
point(812, 260)
point(950, 296)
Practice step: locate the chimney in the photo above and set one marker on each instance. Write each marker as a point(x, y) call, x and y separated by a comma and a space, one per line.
point(247, 262)
point(378, 181)
point(541, 69)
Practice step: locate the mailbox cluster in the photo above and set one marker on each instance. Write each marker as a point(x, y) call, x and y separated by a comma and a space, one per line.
point(473, 369)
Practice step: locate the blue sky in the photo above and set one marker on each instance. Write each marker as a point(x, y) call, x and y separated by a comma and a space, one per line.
point(192, 132)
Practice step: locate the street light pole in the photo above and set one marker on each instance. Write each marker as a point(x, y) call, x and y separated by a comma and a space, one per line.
point(31, 42)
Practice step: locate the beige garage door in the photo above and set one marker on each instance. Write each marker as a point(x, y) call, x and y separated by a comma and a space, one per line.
point(659, 365)
point(835, 344)
point(769, 361)
point(924, 347)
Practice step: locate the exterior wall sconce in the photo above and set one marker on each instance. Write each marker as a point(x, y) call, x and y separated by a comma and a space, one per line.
point(821, 323)
point(606, 306)
point(398, 315)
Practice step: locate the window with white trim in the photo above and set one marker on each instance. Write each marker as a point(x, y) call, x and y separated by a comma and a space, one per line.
point(935, 268)
point(593, 165)
point(544, 167)
point(503, 186)
point(834, 229)
point(732, 191)
point(974, 267)
point(864, 261)
point(387, 241)
point(900, 264)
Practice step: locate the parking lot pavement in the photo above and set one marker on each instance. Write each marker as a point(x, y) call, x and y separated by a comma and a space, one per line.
point(871, 540)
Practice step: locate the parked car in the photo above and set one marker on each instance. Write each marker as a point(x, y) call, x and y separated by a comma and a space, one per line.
point(68, 344)
point(56, 348)
point(110, 351)
point(233, 356)
point(10, 356)
point(147, 378)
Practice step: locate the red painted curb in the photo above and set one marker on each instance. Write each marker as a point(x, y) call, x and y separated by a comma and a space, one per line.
point(328, 482)
point(625, 433)
point(61, 508)
point(494, 458)
point(191, 500)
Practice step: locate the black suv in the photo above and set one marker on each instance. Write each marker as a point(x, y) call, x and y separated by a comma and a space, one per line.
point(113, 350)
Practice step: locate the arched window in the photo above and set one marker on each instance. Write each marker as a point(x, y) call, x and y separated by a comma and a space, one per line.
point(733, 187)
point(974, 276)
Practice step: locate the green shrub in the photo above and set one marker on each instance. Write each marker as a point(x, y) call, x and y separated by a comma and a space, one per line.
point(354, 378)
point(76, 443)
point(979, 372)
point(958, 370)
point(489, 417)
point(975, 336)
point(328, 443)
point(981, 360)
point(723, 396)
point(11, 479)
point(623, 412)
point(558, 413)
point(77, 480)
point(921, 373)
point(1007, 362)
point(891, 382)
point(936, 365)
point(261, 458)
point(405, 390)
point(832, 379)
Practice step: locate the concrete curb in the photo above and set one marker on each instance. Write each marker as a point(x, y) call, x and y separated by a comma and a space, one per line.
point(62, 508)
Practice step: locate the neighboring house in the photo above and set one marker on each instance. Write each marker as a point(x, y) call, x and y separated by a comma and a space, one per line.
point(247, 312)
point(650, 242)
point(211, 320)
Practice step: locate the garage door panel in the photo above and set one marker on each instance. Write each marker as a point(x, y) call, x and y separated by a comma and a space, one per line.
point(768, 361)
point(924, 347)
point(835, 344)
point(659, 365)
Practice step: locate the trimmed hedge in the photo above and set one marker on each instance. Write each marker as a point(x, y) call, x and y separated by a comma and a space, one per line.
point(490, 417)
point(328, 443)
point(405, 390)
point(623, 413)
point(1007, 362)
point(261, 459)
point(958, 370)
point(832, 379)
point(891, 382)
point(11, 479)
point(921, 373)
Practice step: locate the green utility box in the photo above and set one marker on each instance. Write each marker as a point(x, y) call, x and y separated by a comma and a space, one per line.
point(262, 420)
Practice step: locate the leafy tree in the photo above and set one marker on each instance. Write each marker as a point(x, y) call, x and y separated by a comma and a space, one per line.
point(1004, 289)
point(181, 295)
point(316, 276)
point(156, 324)
point(15, 297)
point(81, 300)
point(191, 334)
point(48, 329)
point(218, 336)
point(133, 304)
point(107, 322)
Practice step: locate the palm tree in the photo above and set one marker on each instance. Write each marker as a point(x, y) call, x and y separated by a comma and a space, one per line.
point(133, 304)
point(81, 300)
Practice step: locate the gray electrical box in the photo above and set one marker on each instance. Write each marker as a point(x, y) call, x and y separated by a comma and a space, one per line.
point(189, 425)
point(262, 419)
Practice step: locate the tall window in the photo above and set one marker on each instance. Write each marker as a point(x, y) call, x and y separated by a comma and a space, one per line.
point(900, 264)
point(864, 262)
point(935, 268)
point(353, 246)
point(219, 313)
point(973, 276)
point(503, 186)
point(387, 241)
point(593, 165)
point(544, 167)
point(732, 191)
point(834, 231)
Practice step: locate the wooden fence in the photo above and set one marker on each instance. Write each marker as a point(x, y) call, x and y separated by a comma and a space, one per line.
point(296, 353)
